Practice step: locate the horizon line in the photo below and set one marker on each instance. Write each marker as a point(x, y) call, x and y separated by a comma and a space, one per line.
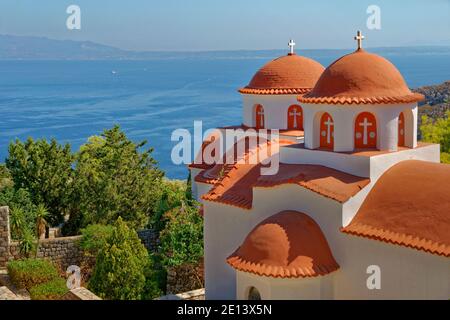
point(219, 50)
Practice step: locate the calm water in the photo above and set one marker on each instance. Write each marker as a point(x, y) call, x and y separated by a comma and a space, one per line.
point(72, 100)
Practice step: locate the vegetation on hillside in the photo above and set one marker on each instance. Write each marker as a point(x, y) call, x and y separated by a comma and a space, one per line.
point(438, 132)
point(39, 276)
point(107, 190)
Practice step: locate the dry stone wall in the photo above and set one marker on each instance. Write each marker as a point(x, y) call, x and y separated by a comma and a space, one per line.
point(4, 236)
point(63, 251)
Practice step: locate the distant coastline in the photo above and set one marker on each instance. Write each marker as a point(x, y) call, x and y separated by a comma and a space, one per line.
point(71, 99)
point(42, 48)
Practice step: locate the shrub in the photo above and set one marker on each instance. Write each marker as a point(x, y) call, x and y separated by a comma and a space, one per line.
point(151, 289)
point(172, 194)
point(51, 290)
point(438, 132)
point(119, 273)
point(27, 243)
point(155, 279)
point(22, 210)
point(182, 239)
point(445, 157)
point(94, 238)
point(5, 177)
point(28, 273)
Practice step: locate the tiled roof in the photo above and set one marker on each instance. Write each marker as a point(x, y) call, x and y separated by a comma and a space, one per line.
point(361, 78)
point(330, 183)
point(248, 90)
point(233, 180)
point(200, 163)
point(291, 74)
point(236, 187)
point(289, 244)
point(238, 154)
point(409, 206)
point(413, 97)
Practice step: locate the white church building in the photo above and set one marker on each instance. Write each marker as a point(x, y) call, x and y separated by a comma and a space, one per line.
point(358, 208)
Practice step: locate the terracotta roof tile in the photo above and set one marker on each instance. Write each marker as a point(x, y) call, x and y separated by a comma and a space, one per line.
point(288, 244)
point(410, 206)
point(213, 173)
point(325, 181)
point(361, 78)
point(199, 163)
point(291, 74)
point(239, 180)
point(248, 90)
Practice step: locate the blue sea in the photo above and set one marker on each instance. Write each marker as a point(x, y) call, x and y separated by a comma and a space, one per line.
point(72, 100)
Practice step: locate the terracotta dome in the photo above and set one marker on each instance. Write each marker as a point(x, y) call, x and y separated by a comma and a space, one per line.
point(291, 74)
point(361, 78)
point(288, 244)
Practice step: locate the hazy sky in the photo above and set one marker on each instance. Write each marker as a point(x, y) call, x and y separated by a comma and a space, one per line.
point(231, 24)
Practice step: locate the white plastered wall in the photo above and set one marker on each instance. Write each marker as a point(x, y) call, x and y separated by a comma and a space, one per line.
point(202, 188)
point(344, 124)
point(406, 273)
point(227, 226)
point(194, 185)
point(310, 288)
point(275, 109)
point(359, 165)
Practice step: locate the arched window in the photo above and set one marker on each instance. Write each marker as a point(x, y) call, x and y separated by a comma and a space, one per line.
point(259, 117)
point(401, 130)
point(326, 131)
point(295, 117)
point(253, 294)
point(365, 130)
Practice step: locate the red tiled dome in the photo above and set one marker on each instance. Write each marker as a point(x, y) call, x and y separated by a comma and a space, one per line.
point(291, 74)
point(361, 78)
point(288, 244)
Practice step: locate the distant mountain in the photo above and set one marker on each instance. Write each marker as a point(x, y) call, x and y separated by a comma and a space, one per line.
point(37, 48)
point(41, 48)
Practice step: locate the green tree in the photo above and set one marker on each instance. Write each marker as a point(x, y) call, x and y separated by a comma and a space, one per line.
point(173, 193)
point(22, 210)
point(41, 224)
point(22, 218)
point(119, 273)
point(5, 177)
point(181, 242)
point(45, 170)
point(114, 178)
point(94, 238)
point(155, 279)
point(27, 243)
point(438, 132)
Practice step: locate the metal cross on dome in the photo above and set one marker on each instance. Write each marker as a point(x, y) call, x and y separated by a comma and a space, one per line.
point(359, 38)
point(291, 45)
